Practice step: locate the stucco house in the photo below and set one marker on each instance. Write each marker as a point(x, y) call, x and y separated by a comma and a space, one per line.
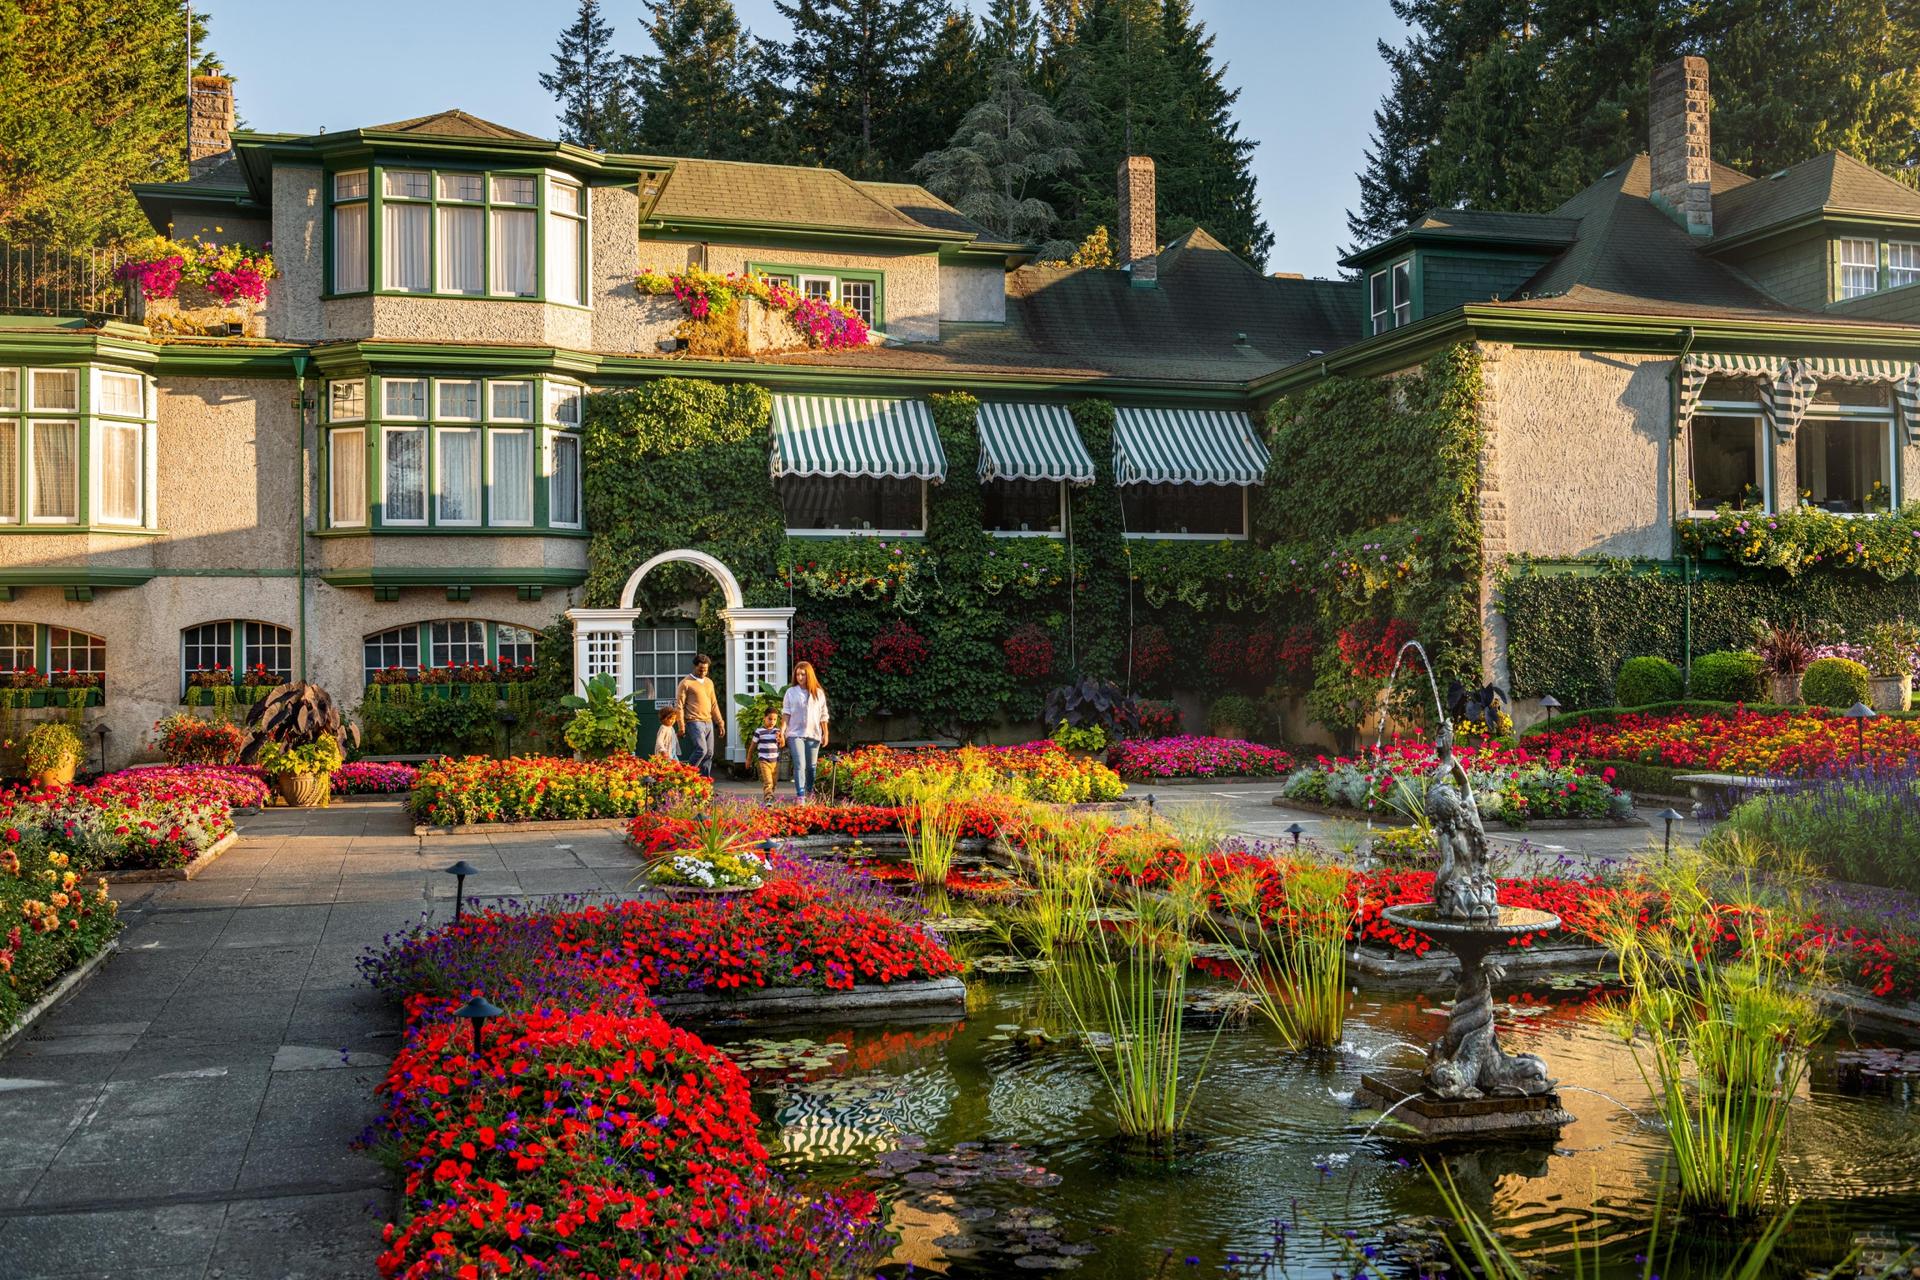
point(389, 473)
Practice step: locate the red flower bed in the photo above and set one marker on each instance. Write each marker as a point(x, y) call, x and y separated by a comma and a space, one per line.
point(1791, 744)
point(655, 832)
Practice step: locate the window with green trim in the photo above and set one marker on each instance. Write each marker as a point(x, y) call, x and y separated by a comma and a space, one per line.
point(76, 448)
point(458, 233)
point(453, 453)
point(861, 292)
point(238, 650)
point(443, 643)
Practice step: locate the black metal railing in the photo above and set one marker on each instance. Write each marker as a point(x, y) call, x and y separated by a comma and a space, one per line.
point(36, 279)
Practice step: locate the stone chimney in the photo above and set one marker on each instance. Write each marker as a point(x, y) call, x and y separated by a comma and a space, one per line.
point(1136, 240)
point(1680, 144)
point(209, 121)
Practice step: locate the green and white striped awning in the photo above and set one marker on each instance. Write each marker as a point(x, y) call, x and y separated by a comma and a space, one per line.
point(1031, 442)
point(1186, 446)
point(854, 436)
point(1787, 385)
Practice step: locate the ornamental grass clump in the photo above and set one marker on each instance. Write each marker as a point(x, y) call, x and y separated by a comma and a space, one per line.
point(1717, 1019)
point(1298, 970)
point(1063, 869)
point(1125, 994)
point(936, 807)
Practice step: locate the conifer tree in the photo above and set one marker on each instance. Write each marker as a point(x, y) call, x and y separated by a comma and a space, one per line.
point(1011, 30)
point(586, 81)
point(842, 71)
point(1005, 147)
point(92, 98)
point(694, 90)
point(938, 95)
point(1209, 178)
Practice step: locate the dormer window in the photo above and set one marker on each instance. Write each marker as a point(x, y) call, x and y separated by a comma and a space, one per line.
point(858, 291)
point(1859, 267)
point(1903, 263)
point(1391, 291)
point(460, 234)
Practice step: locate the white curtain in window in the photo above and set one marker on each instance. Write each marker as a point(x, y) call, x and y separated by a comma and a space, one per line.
point(512, 477)
point(121, 467)
point(563, 500)
point(404, 235)
point(459, 476)
point(120, 394)
point(512, 401)
point(9, 388)
point(55, 479)
point(350, 248)
point(347, 477)
point(56, 389)
point(9, 472)
point(513, 251)
point(406, 483)
point(462, 266)
point(405, 397)
point(563, 258)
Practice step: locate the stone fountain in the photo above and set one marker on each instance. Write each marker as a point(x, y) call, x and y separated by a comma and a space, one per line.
point(1471, 1087)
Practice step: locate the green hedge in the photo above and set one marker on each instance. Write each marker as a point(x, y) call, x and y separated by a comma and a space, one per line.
point(1604, 715)
point(1645, 680)
point(1568, 633)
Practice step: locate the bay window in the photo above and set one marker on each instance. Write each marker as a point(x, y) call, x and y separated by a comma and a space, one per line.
point(53, 472)
point(1846, 463)
point(852, 504)
point(453, 453)
point(1185, 510)
point(76, 448)
point(1729, 463)
point(122, 461)
point(457, 233)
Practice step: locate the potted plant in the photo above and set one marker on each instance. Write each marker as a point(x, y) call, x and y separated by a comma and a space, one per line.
point(1889, 649)
point(1093, 704)
point(1784, 653)
point(298, 738)
point(54, 752)
point(604, 723)
point(1081, 740)
point(1231, 716)
point(721, 861)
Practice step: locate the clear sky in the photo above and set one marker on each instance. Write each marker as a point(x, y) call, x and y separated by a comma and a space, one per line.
point(1308, 71)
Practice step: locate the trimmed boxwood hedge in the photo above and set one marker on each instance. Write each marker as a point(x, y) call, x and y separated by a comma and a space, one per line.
point(1729, 677)
point(1835, 683)
point(1644, 680)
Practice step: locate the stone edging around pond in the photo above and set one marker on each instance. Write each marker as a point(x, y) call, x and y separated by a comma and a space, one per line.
point(58, 995)
point(554, 824)
point(156, 875)
point(1387, 818)
point(941, 997)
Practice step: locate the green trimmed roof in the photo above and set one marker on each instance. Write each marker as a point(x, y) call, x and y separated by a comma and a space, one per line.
point(454, 124)
point(795, 197)
point(1476, 227)
point(1830, 185)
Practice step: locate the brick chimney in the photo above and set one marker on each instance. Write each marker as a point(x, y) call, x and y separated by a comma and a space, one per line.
point(1136, 238)
point(1680, 144)
point(209, 121)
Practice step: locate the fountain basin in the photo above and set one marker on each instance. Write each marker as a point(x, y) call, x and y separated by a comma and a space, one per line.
point(1514, 922)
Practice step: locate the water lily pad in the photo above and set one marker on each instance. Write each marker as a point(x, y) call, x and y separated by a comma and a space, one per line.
point(959, 924)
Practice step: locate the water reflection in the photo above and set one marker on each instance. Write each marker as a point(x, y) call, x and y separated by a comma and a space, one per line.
point(988, 1118)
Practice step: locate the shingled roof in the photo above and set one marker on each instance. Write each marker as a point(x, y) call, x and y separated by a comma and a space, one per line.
point(924, 207)
point(1827, 184)
point(787, 195)
point(454, 124)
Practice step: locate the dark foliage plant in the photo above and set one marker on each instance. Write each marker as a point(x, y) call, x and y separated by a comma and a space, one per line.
point(296, 715)
point(1090, 704)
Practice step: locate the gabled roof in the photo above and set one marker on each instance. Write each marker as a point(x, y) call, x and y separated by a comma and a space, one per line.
point(454, 124)
point(1473, 226)
point(1834, 184)
point(792, 197)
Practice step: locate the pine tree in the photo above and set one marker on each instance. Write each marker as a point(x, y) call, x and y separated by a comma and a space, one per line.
point(938, 95)
point(586, 81)
point(694, 89)
point(92, 98)
point(1210, 177)
point(1004, 147)
point(1011, 30)
point(842, 72)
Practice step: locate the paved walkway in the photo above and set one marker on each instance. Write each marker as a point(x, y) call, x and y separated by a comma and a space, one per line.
point(189, 1113)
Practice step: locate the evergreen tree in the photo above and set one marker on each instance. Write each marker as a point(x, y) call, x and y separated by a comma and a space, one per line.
point(1004, 147)
point(1209, 179)
point(92, 98)
point(695, 89)
point(586, 81)
point(842, 71)
point(1011, 30)
point(938, 95)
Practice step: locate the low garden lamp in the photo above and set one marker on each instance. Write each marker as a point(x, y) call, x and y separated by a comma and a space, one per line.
point(1670, 816)
point(100, 732)
point(476, 1011)
point(1151, 802)
point(1859, 713)
point(460, 871)
point(507, 720)
point(1295, 830)
point(1548, 705)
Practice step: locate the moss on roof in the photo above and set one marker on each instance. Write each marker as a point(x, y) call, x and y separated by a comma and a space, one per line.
point(787, 195)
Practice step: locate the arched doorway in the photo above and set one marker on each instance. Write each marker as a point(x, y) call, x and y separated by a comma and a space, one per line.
point(756, 638)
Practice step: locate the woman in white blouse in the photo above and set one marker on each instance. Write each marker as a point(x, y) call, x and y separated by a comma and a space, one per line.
point(803, 725)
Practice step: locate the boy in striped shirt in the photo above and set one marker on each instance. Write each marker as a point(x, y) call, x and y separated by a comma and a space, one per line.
point(766, 752)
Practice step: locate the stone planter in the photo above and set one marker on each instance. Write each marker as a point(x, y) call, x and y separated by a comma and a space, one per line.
point(194, 310)
point(1784, 691)
point(304, 790)
point(1229, 730)
point(679, 892)
point(1890, 693)
point(59, 776)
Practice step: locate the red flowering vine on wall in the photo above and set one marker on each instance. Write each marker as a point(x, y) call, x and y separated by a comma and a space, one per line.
point(1029, 652)
point(899, 650)
point(814, 644)
point(1370, 646)
point(1152, 654)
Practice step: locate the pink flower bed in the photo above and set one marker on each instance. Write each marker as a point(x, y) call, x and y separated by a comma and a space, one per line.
point(367, 778)
point(239, 786)
point(1196, 757)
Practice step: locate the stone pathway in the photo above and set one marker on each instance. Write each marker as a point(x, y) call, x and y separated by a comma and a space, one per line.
point(189, 1113)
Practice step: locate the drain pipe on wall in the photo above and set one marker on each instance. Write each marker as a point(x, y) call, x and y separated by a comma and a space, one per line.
point(301, 361)
point(1676, 454)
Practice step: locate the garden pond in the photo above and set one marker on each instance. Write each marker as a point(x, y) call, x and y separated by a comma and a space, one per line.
point(988, 1139)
